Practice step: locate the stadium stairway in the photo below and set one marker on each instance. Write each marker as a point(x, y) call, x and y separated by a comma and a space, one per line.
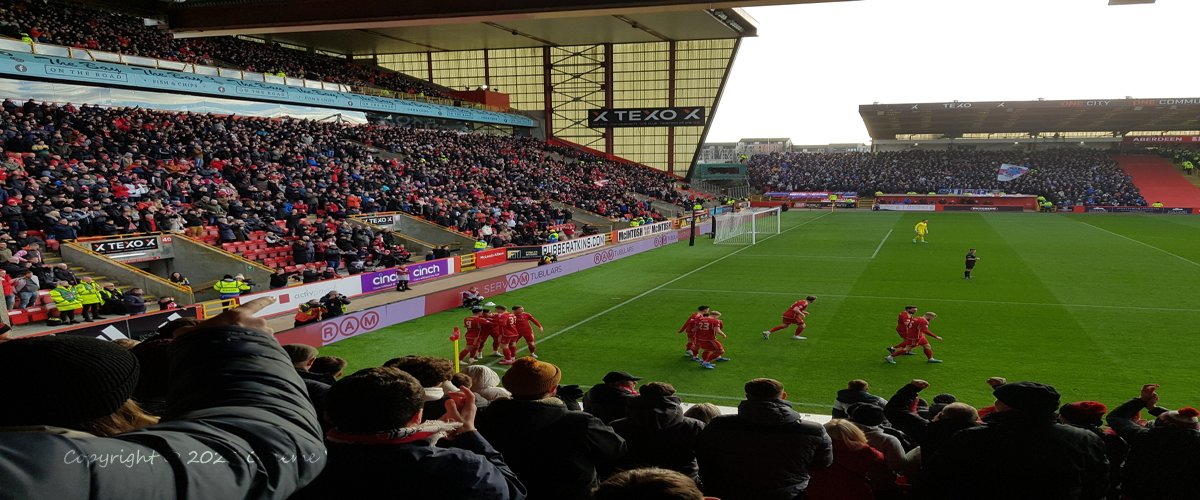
point(37, 314)
point(1159, 180)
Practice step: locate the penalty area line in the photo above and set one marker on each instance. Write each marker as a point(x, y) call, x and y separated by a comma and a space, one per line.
point(657, 288)
point(881, 242)
point(1119, 235)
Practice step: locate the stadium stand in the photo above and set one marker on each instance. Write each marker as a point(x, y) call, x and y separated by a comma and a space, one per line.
point(1066, 177)
point(90, 28)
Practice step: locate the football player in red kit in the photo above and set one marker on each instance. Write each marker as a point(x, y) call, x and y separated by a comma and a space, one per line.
point(794, 315)
point(491, 331)
point(524, 330)
point(689, 327)
point(707, 329)
point(506, 329)
point(916, 338)
point(475, 324)
point(903, 323)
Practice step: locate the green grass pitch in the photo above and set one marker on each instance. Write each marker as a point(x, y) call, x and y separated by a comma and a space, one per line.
point(1095, 305)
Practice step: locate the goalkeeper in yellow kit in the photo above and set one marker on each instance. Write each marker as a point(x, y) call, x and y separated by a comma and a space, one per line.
point(922, 229)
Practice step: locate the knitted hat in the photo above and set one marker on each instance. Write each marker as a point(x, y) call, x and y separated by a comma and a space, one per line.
point(1084, 413)
point(1183, 417)
point(866, 414)
point(1029, 397)
point(531, 378)
point(71, 379)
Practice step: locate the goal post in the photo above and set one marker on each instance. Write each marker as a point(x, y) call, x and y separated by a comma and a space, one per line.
point(747, 227)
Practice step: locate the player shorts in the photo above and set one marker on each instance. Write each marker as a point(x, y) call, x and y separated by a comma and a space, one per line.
point(710, 345)
point(528, 336)
point(509, 339)
point(792, 321)
point(917, 342)
point(474, 340)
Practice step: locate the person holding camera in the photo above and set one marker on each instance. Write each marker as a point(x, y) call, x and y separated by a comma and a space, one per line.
point(334, 304)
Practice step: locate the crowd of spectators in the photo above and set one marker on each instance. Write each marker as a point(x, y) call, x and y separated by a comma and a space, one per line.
point(76, 25)
point(1066, 177)
point(72, 171)
point(415, 425)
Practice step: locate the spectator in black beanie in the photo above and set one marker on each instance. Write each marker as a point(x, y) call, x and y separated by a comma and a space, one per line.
point(1021, 452)
point(233, 395)
point(657, 433)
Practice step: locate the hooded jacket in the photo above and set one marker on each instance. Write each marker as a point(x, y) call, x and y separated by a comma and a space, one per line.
point(765, 452)
point(606, 402)
point(1162, 461)
point(554, 451)
point(1019, 455)
point(658, 435)
point(847, 397)
point(237, 425)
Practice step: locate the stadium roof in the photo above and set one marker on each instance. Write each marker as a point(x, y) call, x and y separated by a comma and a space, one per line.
point(953, 119)
point(387, 26)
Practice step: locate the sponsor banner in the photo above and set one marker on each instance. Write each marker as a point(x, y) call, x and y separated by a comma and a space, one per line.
point(516, 281)
point(1142, 210)
point(135, 249)
point(907, 208)
point(46, 67)
point(646, 117)
point(986, 208)
point(813, 195)
point(357, 323)
point(131, 327)
point(290, 298)
point(417, 272)
point(524, 253)
point(1163, 139)
point(491, 257)
point(379, 220)
point(624, 235)
point(574, 246)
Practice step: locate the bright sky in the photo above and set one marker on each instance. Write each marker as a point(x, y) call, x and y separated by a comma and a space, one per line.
point(811, 66)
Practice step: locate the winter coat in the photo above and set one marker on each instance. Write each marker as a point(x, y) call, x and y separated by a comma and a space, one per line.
point(1017, 455)
point(847, 397)
point(929, 435)
point(318, 386)
point(1163, 462)
point(893, 452)
point(468, 468)
point(860, 474)
point(658, 435)
point(134, 304)
point(765, 452)
point(606, 402)
point(238, 425)
point(554, 451)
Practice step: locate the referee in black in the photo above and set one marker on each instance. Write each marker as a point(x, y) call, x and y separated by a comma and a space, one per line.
point(971, 258)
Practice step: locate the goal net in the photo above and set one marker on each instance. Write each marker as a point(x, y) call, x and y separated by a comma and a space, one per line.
point(746, 227)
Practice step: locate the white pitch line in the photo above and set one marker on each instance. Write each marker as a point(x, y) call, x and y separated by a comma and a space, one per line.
point(831, 257)
point(881, 242)
point(659, 287)
point(1119, 235)
point(932, 299)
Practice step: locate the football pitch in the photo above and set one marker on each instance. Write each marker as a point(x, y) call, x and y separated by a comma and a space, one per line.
point(1093, 304)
